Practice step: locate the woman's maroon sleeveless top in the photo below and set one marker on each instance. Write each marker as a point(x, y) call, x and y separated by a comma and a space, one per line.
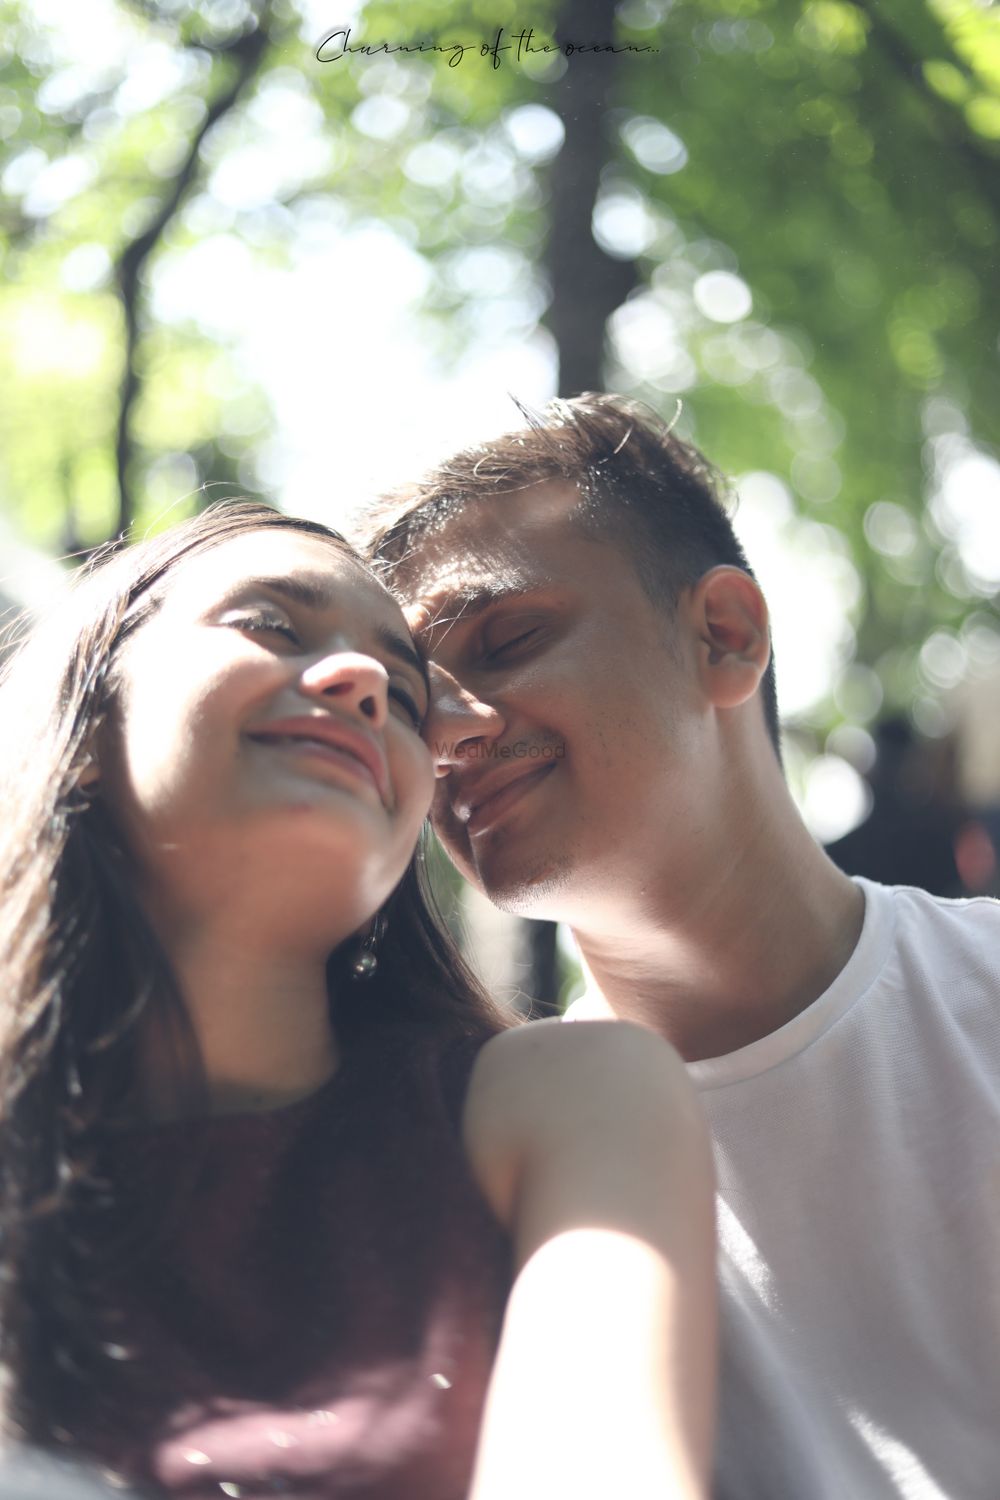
point(322, 1317)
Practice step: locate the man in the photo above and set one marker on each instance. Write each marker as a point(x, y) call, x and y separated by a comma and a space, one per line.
point(606, 733)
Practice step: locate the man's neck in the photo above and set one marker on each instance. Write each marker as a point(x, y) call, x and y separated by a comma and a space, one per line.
point(734, 962)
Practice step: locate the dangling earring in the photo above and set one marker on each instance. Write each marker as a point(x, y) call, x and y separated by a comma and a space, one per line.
point(366, 963)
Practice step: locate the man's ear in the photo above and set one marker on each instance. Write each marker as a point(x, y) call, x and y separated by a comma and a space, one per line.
point(734, 648)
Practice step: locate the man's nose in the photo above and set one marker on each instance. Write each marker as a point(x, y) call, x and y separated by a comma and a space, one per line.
point(358, 684)
point(457, 721)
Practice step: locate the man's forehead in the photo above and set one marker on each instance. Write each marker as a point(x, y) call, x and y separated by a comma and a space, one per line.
point(493, 549)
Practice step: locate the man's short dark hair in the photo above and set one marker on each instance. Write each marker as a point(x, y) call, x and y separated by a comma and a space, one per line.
point(642, 488)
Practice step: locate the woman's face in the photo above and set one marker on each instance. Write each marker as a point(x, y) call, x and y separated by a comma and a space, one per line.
point(266, 746)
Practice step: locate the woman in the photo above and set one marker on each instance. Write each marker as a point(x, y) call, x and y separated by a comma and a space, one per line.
point(270, 1161)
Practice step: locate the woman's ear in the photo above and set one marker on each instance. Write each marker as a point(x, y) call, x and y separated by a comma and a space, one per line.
point(731, 620)
point(90, 775)
point(87, 784)
point(89, 759)
point(98, 755)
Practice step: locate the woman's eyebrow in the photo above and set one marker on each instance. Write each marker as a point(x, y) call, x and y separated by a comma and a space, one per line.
point(315, 593)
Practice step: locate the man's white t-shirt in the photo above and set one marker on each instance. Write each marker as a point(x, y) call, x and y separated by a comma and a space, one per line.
point(858, 1157)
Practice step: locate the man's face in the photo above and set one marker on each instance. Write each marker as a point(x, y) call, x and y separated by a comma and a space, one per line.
point(566, 714)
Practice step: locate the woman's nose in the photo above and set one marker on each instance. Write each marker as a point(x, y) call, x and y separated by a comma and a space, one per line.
point(358, 684)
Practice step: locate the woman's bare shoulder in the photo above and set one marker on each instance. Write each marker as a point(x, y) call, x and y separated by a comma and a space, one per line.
point(548, 1057)
point(547, 1087)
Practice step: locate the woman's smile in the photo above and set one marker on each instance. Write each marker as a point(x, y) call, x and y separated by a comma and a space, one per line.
point(331, 740)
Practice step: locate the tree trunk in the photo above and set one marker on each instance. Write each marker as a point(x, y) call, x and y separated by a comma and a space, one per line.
point(247, 52)
point(586, 284)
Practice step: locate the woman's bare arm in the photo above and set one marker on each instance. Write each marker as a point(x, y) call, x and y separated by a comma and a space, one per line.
point(590, 1144)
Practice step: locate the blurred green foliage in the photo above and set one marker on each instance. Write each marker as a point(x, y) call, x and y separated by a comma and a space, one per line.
point(834, 164)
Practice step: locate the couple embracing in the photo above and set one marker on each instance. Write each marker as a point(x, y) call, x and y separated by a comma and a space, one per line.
point(288, 1207)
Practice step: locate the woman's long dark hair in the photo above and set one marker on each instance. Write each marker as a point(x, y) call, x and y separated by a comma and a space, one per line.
point(80, 966)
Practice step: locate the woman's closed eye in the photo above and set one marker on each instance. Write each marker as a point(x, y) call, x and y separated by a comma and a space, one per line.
point(263, 620)
point(408, 703)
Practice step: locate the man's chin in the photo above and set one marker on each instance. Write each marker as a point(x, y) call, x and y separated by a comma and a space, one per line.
point(525, 891)
point(520, 882)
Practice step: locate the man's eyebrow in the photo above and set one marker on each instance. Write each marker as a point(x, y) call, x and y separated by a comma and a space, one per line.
point(462, 604)
point(315, 593)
